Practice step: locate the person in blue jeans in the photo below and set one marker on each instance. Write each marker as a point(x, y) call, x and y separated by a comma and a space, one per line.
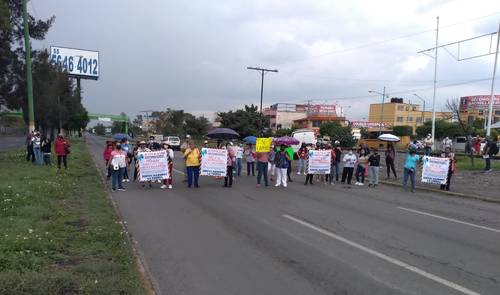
point(37, 149)
point(410, 168)
point(118, 162)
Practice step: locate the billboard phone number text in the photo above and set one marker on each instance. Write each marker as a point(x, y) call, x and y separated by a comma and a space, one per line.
point(74, 62)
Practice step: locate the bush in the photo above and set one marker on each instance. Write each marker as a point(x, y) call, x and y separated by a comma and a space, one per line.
point(402, 130)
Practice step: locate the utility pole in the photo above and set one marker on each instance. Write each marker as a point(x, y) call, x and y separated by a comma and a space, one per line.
point(492, 94)
point(29, 79)
point(433, 130)
point(59, 111)
point(381, 110)
point(423, 110)
point(262, 72)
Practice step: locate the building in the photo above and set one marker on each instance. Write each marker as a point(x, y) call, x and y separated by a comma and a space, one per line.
point(313, 121)
point(285, 115)
point(398, 113)
point(476, 107)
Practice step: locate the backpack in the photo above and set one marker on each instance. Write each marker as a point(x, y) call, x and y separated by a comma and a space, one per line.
point(493, 148)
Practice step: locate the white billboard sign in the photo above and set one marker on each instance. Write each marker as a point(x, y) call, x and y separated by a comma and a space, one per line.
point(77, 62)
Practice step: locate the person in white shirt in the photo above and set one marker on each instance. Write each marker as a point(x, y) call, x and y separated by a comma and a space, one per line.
point(239, 157)
point(428, 142)
point(447, 144)
point(349, 162)
point(170, 166)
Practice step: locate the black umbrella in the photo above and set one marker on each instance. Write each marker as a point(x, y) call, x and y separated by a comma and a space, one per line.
point(223, 133)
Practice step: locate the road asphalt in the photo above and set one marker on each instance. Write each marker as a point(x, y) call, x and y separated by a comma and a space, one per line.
point(11, 142)
point(309, 239)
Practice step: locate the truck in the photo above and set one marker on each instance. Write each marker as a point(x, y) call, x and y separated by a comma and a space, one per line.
point(174, 142)
point(306, 136)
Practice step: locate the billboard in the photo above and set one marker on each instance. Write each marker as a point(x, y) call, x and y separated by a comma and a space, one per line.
point(77, 62)
point(324, 108)
point(478, 102)
point(366, 124)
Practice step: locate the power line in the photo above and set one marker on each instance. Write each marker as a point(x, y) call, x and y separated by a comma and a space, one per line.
point(387, 40)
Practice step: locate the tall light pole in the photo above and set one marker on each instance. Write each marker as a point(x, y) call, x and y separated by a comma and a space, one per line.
point(433, 130)
point(382, 108)
point(29, 79)
point(492, 94)
point(262, 72)
point(423, 110)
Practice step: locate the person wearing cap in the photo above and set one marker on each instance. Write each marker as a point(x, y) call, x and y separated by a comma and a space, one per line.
point(410, 168)
point(107, 155)
point(205, 144)
point(428, 142)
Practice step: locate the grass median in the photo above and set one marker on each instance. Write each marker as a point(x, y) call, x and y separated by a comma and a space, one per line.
point(59, 231)
point(464, 163)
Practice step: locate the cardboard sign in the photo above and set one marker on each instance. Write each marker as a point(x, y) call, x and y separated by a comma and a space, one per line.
point(213, 162)
point(435, 170)
point(319, 162)
point(263, 145)
point(153, 165)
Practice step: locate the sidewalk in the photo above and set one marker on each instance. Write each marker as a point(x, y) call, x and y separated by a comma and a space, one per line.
point(469, 183)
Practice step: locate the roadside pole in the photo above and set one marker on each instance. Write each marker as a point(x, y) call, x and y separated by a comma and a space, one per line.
point(29, 78)
point(492, 93)
point(434, 92)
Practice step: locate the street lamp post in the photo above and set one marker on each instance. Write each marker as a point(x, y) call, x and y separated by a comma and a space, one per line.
point(382, 108)
point(262, 72)
point(423, 110)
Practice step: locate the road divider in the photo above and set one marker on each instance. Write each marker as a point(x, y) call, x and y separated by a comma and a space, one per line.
point(382, 256)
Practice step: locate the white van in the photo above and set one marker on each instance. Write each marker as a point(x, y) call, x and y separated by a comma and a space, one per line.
point(304, 136)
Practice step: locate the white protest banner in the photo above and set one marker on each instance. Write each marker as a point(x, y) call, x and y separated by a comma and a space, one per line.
point(319, 162)
point(435, 170)
point(153, 165)
point(213, 162)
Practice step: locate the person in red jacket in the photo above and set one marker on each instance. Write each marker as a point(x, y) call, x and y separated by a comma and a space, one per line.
point(61, 147)
point(107, 155)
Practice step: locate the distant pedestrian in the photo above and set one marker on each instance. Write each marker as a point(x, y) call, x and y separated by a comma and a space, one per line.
point(37, 149)
point(231, 158)
point(451, 168)
point(30, 155)
point(447, 144)
point(291, 153)
point(374, 167)
point(192, 157)
point(333, 164)
point(127, 149)
point(309, 176)
point(490, 149)
point(262, 167)
point(239, 159)
point(46, 151)
point(338, 156)
point(410, 168)
point(428, 143)
point(349, 161)
point(390, 156)
point(107, 155)
point(118, 162)
point(302, 154)
point(361, 167)
point(281, 160)
point(250, 159)
point(61, 147)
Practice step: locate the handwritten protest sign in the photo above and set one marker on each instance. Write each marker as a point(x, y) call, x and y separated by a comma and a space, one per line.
point(153, 165)
point(435, 170)
point(263, 145)
point(319, 162)
point(213, 162)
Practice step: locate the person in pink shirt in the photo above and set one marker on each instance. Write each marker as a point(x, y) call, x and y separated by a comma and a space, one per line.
point(262, 167)
point(231, 158)
point(118, 161)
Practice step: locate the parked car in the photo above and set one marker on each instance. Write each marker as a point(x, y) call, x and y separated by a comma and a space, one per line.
point(174, 142)
point(459, 143)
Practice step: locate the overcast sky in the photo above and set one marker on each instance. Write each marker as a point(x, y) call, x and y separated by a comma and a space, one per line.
point(193, 54)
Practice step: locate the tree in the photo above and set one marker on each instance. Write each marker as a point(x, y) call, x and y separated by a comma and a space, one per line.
point(338, 132)
point(246, 121)
point(402, 130)
point(443, 129)
point(364, 132)
point(177, 122)
point(196, 126)
point(284, 132)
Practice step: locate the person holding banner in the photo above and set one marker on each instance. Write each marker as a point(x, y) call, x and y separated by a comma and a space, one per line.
point(170, 166)
point(281, 160)
point(143, 147)
point(309, 176)
point(192, 157)
point(302, 153)
point(410, 168)
point(451, 168)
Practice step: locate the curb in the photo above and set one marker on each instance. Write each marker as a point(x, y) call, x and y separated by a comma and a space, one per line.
point(447, 193)
point(144, 273)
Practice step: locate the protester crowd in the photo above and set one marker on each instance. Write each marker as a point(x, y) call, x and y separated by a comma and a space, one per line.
point(275, 167)
point(39, 149)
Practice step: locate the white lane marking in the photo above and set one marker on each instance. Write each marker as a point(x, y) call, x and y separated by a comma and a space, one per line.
point(383, 256)
point(450, 219)
point(179, 171)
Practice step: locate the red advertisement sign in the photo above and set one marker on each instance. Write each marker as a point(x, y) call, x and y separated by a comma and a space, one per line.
point(478, 102)
point(324, 108)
